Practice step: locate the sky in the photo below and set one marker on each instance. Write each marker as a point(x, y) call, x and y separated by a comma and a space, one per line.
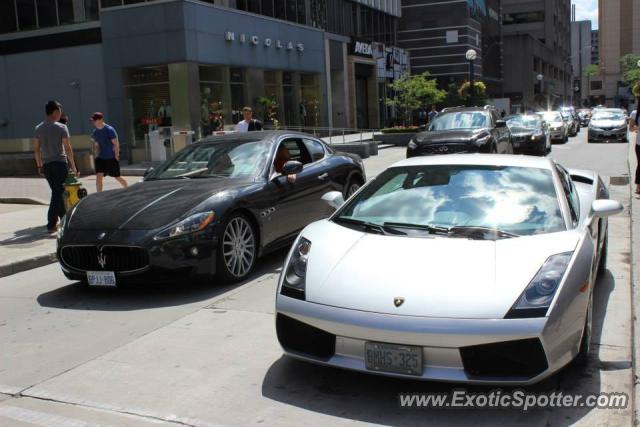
point(587, 9)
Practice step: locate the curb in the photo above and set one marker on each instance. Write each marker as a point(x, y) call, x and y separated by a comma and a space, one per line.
point(27, 264)
point(23, 201)
point(634, 291)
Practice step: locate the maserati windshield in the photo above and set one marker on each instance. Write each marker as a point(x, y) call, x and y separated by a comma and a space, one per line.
point(460, 120)
point(227, 159)
point(511, 201)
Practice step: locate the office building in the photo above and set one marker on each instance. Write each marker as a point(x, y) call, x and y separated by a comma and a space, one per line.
point(581, 52)
point(437, 34)
point(170, 65)
point(537, 50)
point(618, 35)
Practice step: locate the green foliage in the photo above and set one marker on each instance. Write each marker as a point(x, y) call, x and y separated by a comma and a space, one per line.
point(479, 93)
point(401, 129)
point(591, 70)
point(269, 106)
point(413, 92)
point(630, 69)
point(636, 90)
point(452, 99)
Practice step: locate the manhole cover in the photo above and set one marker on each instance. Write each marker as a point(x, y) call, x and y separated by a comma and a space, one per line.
point(619, 180)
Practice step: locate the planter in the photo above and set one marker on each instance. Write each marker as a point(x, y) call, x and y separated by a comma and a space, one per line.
point(400, 139)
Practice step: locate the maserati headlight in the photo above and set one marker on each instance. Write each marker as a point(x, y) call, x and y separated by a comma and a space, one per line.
point(191, 224)
point(537, 296)
point(294, 278)
point(412, 145)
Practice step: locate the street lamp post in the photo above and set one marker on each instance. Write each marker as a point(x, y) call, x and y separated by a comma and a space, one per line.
point(471, 56)
point(540, 78)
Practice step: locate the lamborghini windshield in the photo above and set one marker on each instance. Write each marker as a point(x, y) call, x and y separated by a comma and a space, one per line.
point(514, 200)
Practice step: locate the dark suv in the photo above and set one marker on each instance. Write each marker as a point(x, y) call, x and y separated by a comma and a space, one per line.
point(463, 130)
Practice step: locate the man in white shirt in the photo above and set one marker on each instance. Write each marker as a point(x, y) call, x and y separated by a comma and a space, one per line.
point(634, 126)
point(248, 124)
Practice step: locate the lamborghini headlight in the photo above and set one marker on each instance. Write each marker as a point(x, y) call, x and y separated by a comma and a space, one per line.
point(539, 293)
point(191, 224)
point(295, 272)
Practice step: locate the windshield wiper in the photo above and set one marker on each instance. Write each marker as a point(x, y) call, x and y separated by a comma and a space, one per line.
point(367, 226)
point(431, 229)
point(450, 231)
point(471, 229)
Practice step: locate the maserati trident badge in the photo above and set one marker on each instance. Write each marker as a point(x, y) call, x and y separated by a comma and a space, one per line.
point(398, 301)
point(102, 259)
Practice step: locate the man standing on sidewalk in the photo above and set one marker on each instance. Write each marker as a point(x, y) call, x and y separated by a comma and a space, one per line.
point(107, 146)
point(53, 154)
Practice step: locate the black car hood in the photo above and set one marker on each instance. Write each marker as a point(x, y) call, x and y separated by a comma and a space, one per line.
point(449, 136)
point(147, 205)
point(517, 131)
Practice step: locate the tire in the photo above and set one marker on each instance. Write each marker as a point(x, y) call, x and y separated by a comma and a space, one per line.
point(352, 186)
point(566, 139)
point(602, 264)
point(237, 249)
point(585, 343)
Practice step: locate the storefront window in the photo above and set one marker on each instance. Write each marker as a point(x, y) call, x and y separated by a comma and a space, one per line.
point(310, 99)
point(271, 103)
point(238, 93)
point(47, 16)
point(7, 17)
point(288, 99)
point(148, 103)
point(215, 111)
point(26, 14)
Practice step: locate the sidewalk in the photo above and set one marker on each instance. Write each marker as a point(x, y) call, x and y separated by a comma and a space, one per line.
point(635, 277)
point(24, 241)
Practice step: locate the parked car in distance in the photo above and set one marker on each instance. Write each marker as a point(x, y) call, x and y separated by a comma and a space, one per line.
point(558, 128)
point(529, 134)
point(464, 268)
point(463, 130)
point(573, 124)
point(584, 115)
point(608, 125)
point(211, 209)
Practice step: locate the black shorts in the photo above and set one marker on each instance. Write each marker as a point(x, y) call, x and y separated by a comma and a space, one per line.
point(109, 167)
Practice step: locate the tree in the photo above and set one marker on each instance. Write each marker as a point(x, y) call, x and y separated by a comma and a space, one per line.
point(479, 93)
point(630, 68)
point(591, 70)
point(414, 92)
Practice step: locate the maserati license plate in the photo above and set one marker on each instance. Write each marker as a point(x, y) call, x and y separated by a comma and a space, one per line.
point(101, 278)
point(393, 358)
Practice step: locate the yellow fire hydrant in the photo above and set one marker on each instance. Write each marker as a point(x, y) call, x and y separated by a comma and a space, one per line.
point(73, 191)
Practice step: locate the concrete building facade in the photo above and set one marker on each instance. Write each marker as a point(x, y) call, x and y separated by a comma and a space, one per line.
point(581, 52)
point(538, 32)
point(618, 35)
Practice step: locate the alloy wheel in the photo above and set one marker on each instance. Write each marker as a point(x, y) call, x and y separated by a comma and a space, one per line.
point(238, 246)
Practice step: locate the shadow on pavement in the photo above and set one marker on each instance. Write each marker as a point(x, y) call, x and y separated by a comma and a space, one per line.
point(370, 398)
point(27, 236)
point(77, 296)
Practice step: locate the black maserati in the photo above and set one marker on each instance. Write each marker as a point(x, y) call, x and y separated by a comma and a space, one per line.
point(212, 209)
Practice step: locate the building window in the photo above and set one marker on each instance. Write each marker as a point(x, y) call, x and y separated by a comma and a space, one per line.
point(47, 14)
point(65, 12)
point(215, 105)
point(91, 10)
point(596, 85)
point(110, 3)
point(7, 17)
point(26, 15)
point(523, 17)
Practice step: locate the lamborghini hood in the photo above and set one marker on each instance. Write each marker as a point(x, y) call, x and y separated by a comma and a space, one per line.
point(435, 276)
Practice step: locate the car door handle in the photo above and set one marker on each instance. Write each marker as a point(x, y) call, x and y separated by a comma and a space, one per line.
point(323, 176)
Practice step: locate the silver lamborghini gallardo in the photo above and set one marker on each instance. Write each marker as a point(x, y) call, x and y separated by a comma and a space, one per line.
point(465, 268)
